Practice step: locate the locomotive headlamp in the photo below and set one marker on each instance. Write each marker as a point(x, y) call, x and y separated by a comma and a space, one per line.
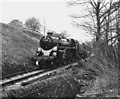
point(37, 63)
point(54, 53)
point(39, 49)
point(54, 48)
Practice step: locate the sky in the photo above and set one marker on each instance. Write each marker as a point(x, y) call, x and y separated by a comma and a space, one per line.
point(55, 14)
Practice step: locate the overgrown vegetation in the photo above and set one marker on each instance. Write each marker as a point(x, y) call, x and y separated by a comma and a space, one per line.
point(18, 48)
point(103, 23)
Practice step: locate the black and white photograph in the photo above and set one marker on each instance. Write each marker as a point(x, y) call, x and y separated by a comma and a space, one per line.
point(60, 49)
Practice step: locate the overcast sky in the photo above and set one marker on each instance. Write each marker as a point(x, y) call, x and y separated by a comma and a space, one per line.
point(54, 12)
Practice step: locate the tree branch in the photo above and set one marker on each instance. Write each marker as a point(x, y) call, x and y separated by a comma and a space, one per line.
point(114, 7)
point(77, 2)
point(111, 39)
point(93, 4)
point(76, 16)
point(109, 22)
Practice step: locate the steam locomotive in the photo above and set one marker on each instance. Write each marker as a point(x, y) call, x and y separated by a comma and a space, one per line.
point(54, 51)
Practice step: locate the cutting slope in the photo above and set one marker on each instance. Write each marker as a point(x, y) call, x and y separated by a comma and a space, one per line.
point(17, 49)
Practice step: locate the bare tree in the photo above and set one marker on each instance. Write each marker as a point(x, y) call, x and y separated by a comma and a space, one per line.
point(118, 33)
point(104, 24)
point(33, 24)
point(100, 17)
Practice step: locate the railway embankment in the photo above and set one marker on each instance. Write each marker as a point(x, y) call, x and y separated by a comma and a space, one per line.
point(18, 47)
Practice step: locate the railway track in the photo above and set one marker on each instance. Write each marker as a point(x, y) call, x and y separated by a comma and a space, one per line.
point(33, 76)
point(18, 78)
point(18, 73)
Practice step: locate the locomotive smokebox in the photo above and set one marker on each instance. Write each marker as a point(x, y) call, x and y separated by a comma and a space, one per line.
point(47, 43)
